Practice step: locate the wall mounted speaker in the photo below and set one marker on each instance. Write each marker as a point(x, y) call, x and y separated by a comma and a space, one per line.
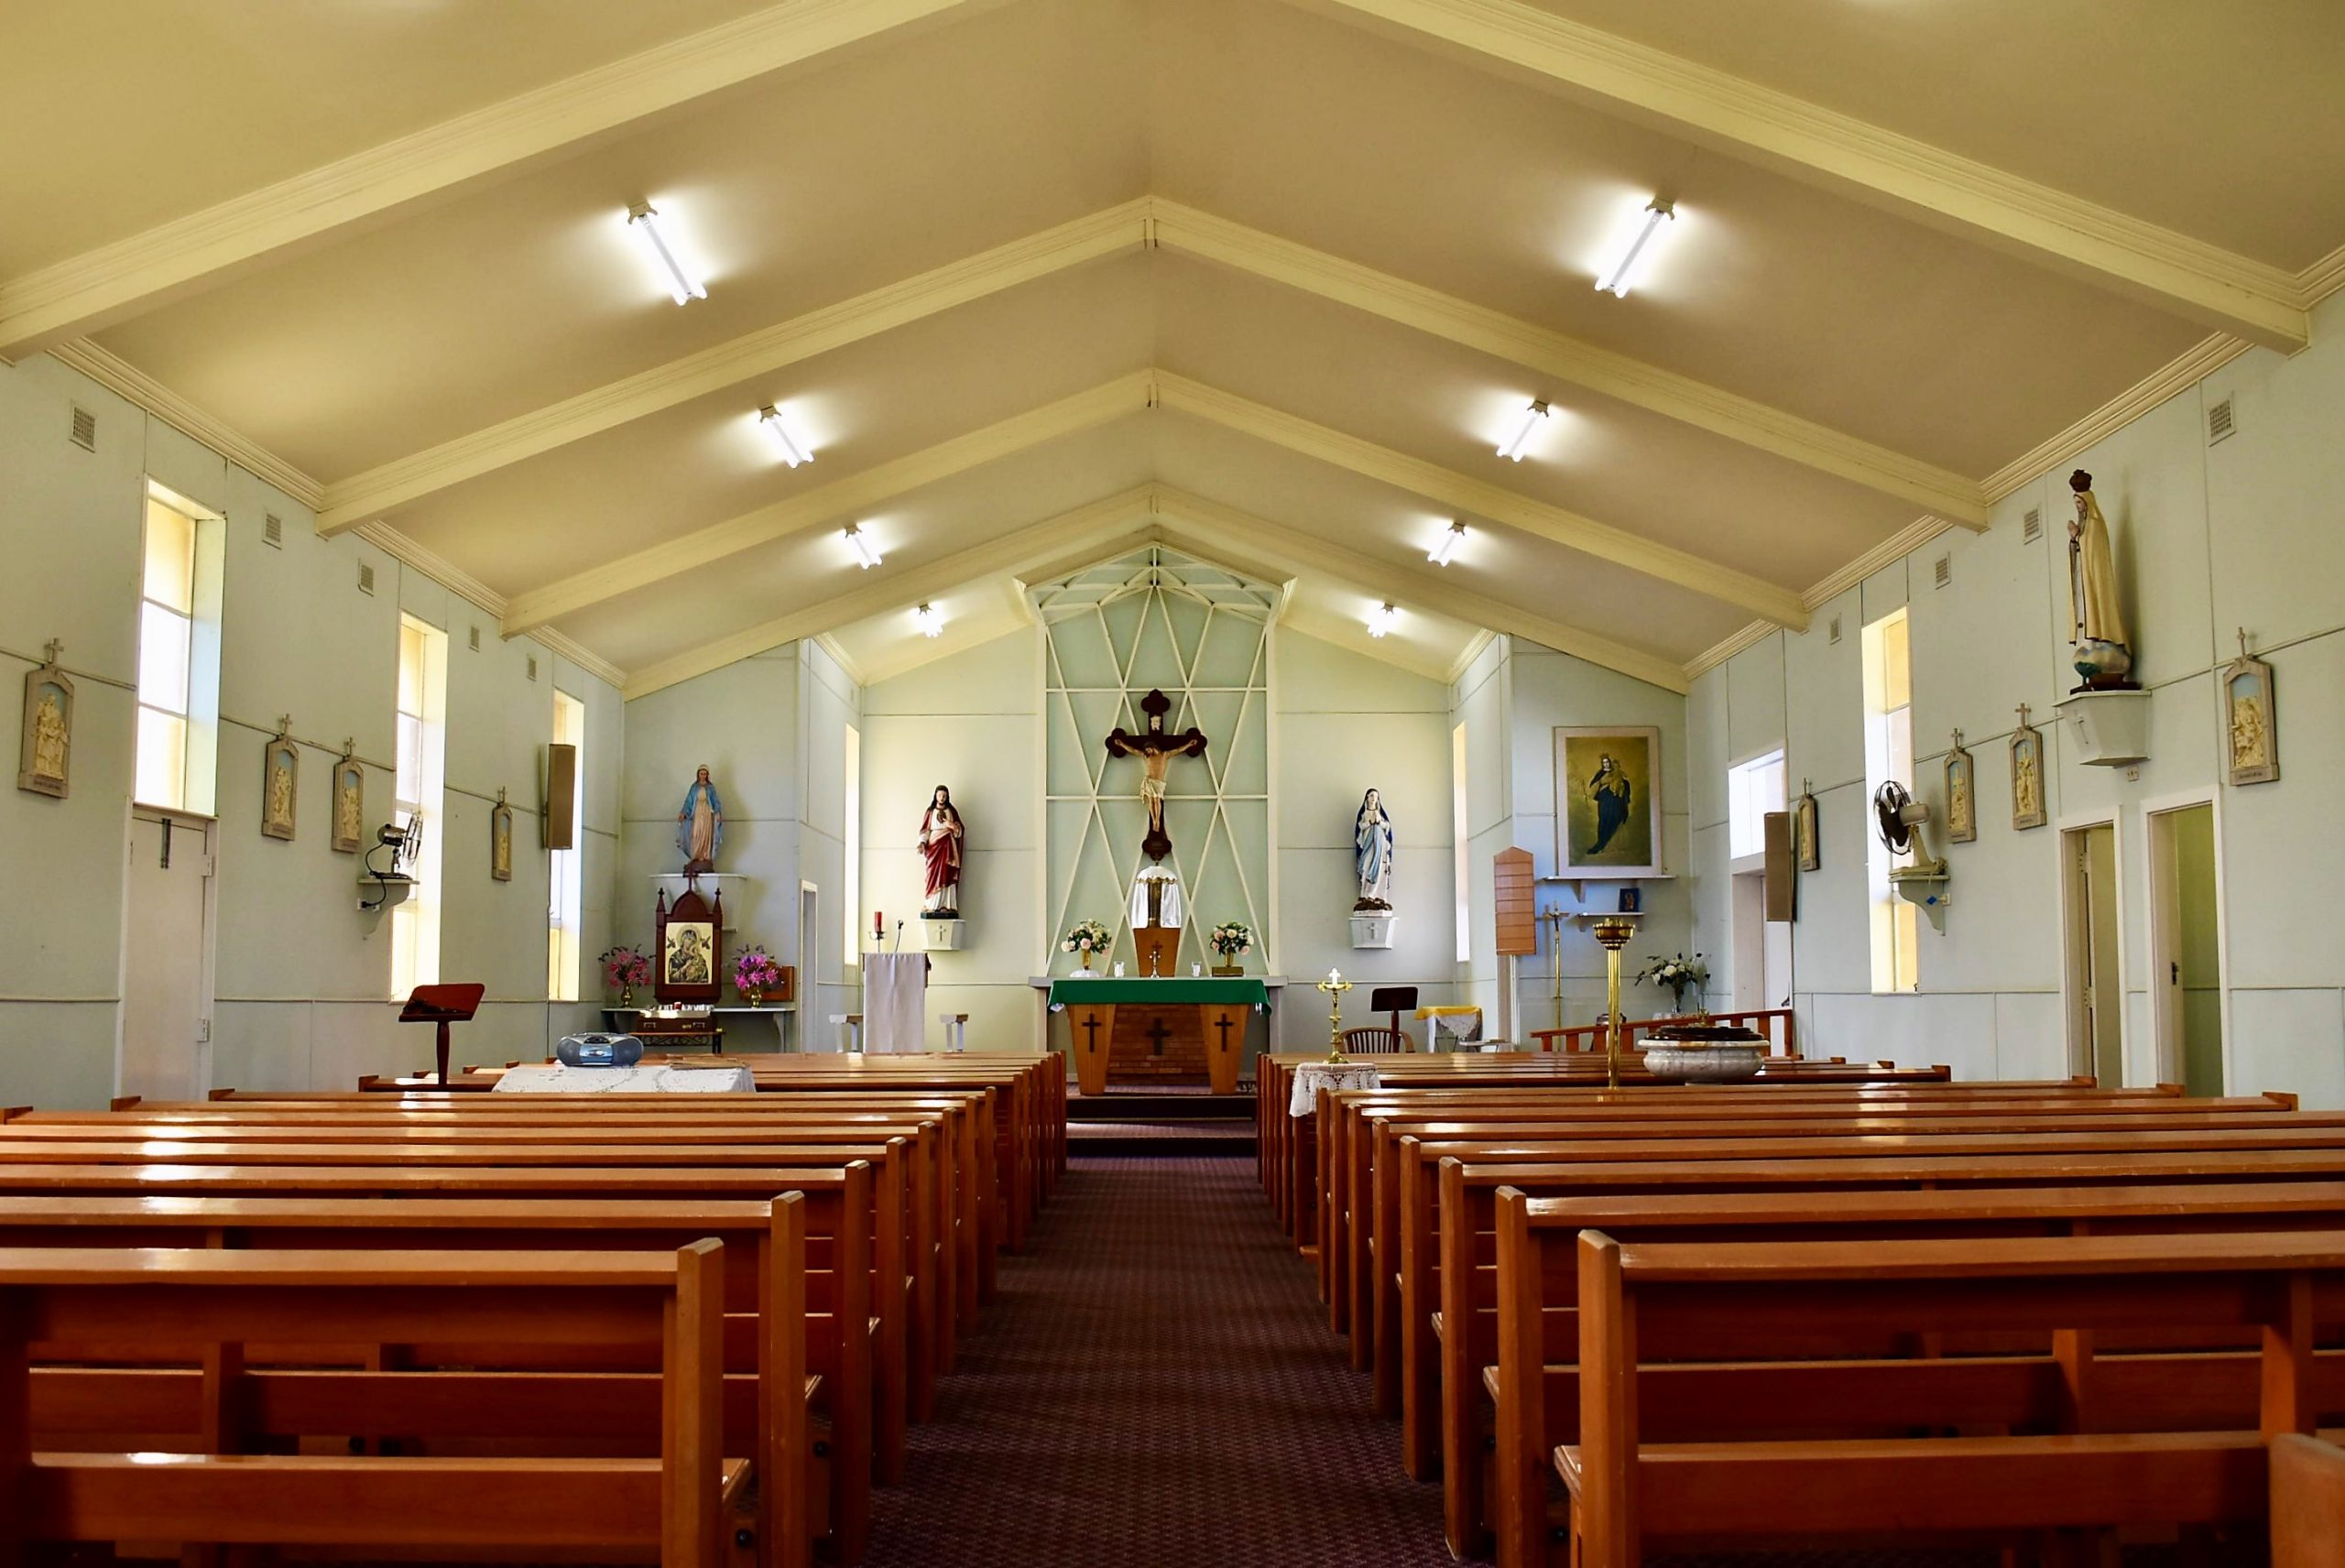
point(561, 793)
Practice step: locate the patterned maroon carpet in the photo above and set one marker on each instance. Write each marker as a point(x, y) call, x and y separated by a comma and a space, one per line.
point(1156, 1385)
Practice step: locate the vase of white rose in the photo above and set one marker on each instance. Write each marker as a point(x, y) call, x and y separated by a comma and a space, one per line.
point(1087, 939)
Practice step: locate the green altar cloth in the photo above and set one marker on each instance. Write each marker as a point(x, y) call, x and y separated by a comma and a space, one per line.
point(1210, 991)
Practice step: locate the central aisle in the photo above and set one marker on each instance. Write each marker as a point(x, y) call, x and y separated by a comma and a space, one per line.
point(1156, 1385)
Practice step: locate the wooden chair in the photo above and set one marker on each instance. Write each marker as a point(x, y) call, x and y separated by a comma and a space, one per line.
point(1374, 1041)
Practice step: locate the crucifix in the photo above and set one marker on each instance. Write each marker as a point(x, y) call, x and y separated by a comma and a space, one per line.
point(1156, 749)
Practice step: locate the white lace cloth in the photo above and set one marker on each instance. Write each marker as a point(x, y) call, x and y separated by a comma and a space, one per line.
point(556, 1078)
point(1303, 1099)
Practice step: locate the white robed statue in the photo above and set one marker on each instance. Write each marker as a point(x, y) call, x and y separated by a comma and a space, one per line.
point(2102, 652)
point(1372, 852)
point(699, 824)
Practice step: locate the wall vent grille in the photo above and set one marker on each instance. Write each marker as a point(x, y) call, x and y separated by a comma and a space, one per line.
point(2222, 420)
point(272, 530)
point(366, 577)
point(86, 428)
point(533, 666)
point(1942, 572)
point(475, 639)
point(1836, 629)
point(2031, 527)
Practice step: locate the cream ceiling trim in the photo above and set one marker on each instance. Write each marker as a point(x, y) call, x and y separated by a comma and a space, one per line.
point(85, 292)
point(127, 381)
point(713, 369)
point(1480, 498)
point(1481, 639)
point(1580, 363)
point(2323, 277)
point(829, 503)
point(488, 601)
point(1725, 648)
point(2187, 276)
point(2202, 360)
point(1216, 527)
point(829, 642)
point(1012, 552)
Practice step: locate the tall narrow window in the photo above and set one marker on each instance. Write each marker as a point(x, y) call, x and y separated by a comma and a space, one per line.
point(564, 878)
point(178, 661)
point(1753, 789)
point(417, 797)
point(851, 835)
point(1889, 756)
point(1459, 830)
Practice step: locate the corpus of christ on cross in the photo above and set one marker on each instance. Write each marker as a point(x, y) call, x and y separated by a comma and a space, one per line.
point(1156, 749)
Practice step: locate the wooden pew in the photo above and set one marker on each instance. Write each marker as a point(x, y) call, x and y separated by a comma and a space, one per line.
point(441, 1183)
point(672, 1507)
point(1654, 1302)
point(796, 1278)
point(1418, 1334)
point(2307, 1501)
point(1534, 1388)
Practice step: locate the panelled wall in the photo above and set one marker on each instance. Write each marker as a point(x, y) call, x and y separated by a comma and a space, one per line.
point(301, 975)
point(2210, 539)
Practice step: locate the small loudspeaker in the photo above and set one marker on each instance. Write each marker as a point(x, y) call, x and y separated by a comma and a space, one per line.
point(561, 792)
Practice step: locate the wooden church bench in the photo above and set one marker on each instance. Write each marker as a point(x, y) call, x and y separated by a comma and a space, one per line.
point(796, 1273)
point(1528, 1401)
point(672, 1509)
point(2307, 1501)
point(1416, 1337)
point(1667, 1302)
point(603, 1183)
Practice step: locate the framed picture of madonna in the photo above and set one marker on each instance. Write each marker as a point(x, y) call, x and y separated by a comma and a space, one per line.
point(1608, 801)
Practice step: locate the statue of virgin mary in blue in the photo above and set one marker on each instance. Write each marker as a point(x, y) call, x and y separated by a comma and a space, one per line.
point(699, 824)
point(1610, 791)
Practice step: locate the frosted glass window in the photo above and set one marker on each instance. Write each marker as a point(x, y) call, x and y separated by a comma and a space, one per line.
point(1752, 791)
point(162, 757)
point(422, 741)
point(1889, 756)
point(166, 652)
point(565, 873)
point(170, 558)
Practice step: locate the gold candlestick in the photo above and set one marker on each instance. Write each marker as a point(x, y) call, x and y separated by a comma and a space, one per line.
point(1335, 985)
point(1614, 932)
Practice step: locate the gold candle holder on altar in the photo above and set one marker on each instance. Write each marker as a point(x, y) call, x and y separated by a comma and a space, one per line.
point(1335, 985)
point(1614, 932)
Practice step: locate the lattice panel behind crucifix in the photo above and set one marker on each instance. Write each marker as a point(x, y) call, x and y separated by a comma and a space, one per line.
point(1158, 618)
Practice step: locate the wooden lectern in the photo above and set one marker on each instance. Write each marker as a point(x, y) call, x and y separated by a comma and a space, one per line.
point(442, 1005)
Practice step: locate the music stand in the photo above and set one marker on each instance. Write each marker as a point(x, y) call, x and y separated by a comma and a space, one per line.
point(1396, 1000)
point(442, 1005)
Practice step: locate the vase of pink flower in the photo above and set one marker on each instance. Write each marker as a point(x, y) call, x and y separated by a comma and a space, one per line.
point(755, 972)
point(626, 968)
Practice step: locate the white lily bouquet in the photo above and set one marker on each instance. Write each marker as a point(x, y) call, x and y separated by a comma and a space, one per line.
point(1679, 974)
point(1087, 939)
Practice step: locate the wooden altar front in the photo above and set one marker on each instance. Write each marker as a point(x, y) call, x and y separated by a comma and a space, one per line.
point(1187, 1031)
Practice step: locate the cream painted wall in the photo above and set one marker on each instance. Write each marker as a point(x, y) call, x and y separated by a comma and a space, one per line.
point(302, 975)
point(2209, 539)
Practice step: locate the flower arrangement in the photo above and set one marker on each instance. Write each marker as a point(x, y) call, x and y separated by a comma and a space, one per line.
point(755, 972)
point(1679, 974)
point(1086, 938)
point(1232, 939)
point(626, 968)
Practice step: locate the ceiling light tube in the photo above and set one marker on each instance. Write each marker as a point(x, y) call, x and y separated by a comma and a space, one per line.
point(865, 550)
point(644, 219)
point(1382, 619)
point(930, 623)
point(1511, 448)
point(792, 452)
point(1616, 279)
point(1440, 553)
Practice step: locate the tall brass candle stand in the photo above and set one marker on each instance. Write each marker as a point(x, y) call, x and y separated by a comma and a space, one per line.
point(1335, 985)
point(1613, 930)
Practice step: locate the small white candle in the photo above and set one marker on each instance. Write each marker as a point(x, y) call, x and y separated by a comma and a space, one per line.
point(1334, 978)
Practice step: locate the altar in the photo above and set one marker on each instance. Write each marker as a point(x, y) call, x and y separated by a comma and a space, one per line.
point(1195, 1033)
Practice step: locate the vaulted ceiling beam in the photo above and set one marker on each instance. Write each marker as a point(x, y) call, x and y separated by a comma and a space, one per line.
point(1021, 551)
point(829, 503)
point(85, 292)
point(352, 501)
point(1214, 527)
point(2187, 276)
point(1630, 380)
point(1482, 499)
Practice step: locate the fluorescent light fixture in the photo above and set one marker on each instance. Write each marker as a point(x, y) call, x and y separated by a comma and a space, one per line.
point(769, 417)
point(1533, 418)
point(1382, 619)
point(644, 219)
point(930, 623)
point(865, 550)
point(1617, 278)
point(1440, 553)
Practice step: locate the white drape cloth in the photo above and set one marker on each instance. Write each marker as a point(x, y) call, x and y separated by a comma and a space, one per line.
point(1171, 912)
point(895, 1002)
point(555, 1078)
point(1303, 1098)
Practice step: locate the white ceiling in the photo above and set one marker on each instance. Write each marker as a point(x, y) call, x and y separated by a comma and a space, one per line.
point(380, 246)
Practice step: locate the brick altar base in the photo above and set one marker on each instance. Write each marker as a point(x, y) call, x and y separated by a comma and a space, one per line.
point(1157, 1046)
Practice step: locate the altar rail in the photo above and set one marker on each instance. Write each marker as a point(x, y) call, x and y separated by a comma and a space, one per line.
point(1774, 1023)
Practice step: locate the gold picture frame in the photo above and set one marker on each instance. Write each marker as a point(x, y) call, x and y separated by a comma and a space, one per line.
point(349, 829)
point(45, 752)
point(280, 785)
point(1608, 801)
point(500, 840)
point(1808, 852)
point(1961, 794)
point(2027, 776)
point(2251, 722)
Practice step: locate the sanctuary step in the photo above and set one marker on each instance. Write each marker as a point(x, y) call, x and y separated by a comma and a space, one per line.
point(1137, 1120)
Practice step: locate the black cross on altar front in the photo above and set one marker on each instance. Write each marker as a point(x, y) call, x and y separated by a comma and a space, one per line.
point(1091, 1031)
point(1157, 1035)
point(1223, 1023)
